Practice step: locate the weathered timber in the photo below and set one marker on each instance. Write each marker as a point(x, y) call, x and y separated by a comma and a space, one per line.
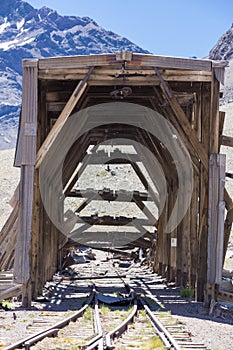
point(11, 292)
point(215, 222)
point(110, 195)
point(137, 60)
point(27, 158)
point(111, 220)
point(63, 117)
point(227, 141)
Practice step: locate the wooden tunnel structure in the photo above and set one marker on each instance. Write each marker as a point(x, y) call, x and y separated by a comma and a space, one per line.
point(166, 105)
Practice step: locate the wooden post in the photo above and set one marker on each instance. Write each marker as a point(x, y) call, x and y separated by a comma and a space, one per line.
point(193, 242)
point(185, 252)
point(173, 243)
point(215, 223)
point(22, 265)
point(203, 198)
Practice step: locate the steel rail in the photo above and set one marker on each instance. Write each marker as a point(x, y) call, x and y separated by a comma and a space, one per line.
point(116, 332)
point(162, 332)
point(97, 341)
point(32, 339)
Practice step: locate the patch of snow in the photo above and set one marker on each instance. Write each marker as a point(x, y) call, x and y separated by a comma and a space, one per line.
point(4, 46)
point(25, 42)
point(84, 30)
point(58, 33)
point(31, 21)
point(23, 32)
point(20, 24)
point(20, 41)
point(4, 25)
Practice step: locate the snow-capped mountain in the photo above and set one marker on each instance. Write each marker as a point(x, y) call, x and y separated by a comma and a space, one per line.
point(26, 32)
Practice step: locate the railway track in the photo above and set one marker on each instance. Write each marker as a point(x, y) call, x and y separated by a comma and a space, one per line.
point(119, 313)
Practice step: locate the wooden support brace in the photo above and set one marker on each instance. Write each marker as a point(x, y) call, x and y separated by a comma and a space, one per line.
point(227, 231)
point(75, 97)
point(230, 175)
point(183, 120)
point(11, 292)
point(140, 228)
point(146, 212)
point(145, 183)
point(185, 124)
point(227, 141)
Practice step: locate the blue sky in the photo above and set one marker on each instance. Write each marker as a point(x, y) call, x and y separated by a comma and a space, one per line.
point(164, 27)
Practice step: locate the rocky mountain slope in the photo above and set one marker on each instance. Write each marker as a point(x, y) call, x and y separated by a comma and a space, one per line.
point(223, 50)
point(26, 32)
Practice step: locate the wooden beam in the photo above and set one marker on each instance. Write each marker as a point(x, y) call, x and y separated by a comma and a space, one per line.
point(227, 141)
point(186, 126)
point(22, 263)
point(75, 97)
point(146, 211)
point(164, 109)
point(111, 220)
point(140, 242)
point(145, 183)
point(130, 71)
point(107, 238)
point(183, 120)
point(138, 225)
point(82, 205)
point(226, 296)
point(221, 127)
point(215, 222)
point(110, 195)
point(139, 60)
point(193, 241)
point(230, 175)
point(214, 117)
point(227, 231)
point(228, 200)
point(11, 292)
point(4, 234)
